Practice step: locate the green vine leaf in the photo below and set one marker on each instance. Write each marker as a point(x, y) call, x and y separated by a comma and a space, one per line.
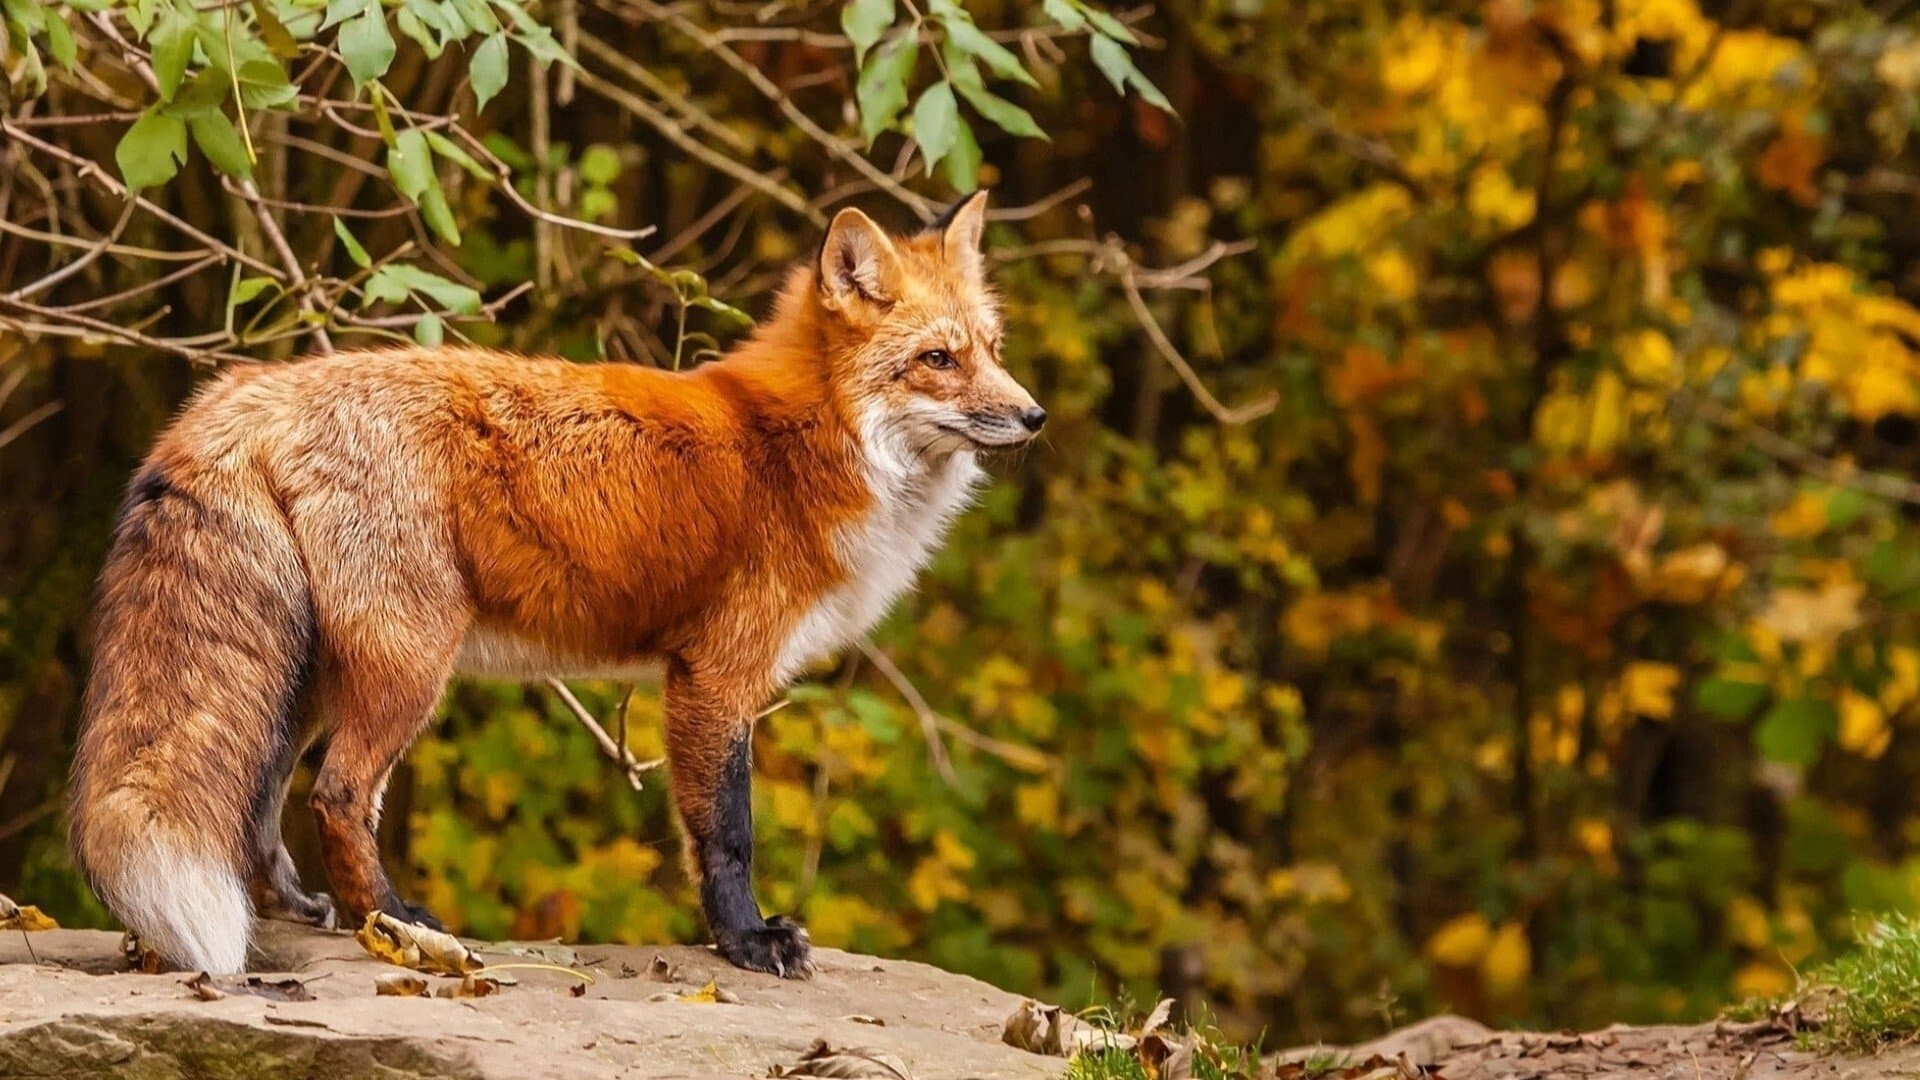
point(152, 150)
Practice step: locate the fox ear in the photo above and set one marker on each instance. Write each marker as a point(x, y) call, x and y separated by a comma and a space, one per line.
point(857, 261)
point(960, 230)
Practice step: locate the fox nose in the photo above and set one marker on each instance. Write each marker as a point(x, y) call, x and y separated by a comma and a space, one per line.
point(1033, 418)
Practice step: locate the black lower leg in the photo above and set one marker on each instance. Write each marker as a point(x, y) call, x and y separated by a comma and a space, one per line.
point(725, 854)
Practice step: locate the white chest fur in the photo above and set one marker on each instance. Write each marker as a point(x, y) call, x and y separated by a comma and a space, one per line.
point(914, 501)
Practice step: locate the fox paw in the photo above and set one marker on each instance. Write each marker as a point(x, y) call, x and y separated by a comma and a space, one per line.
point(312, 909)
point(780, 947)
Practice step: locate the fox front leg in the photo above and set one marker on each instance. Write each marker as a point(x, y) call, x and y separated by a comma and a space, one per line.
point(710, 752)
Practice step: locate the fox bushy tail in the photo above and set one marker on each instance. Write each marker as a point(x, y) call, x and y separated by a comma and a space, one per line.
point(204, 629)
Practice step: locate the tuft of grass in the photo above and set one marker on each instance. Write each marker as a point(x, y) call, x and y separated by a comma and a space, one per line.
point(1874, 999)
point(1106, 1063)
point(1214, 1058)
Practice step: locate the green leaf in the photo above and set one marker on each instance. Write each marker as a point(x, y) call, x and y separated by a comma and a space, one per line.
point(354, 250)
point(60, 41)
point(31, 15)
point(152, 150)
point(963, 163)
point(264, 85)
point(1794, 731)
point(597, 204)
point(204, 93)
point(970, 39)
point(864, 21)
point(246, 289)
point(488, 72)
point(539, 41)
point(1112, 60)
point(396, 282)
point(366, 45)
point(1105, 23)
point(1009, 117)
point(447, 148)
point(936, 118)
point(279, 39)
point(1728, 699)
point(217, 138)
point(433, 207)
point(477, 15)
point(1065, 15)
point(882, 90)
point(429, 330)
point(172, 45)
point(599, 164)
point(339, 11)
point(419, 32)
point(411, 164)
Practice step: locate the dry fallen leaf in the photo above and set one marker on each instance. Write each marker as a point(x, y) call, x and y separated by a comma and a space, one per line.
point(471, 986)
point(578, 989)
point(206, 989)
point(24, 917)
point(660, 971)
point(850, 1063)
point(1157, 1018)
point(433, 951)
point(203, 988)
point(400, 984)
point(1046, 1029)
point(710, 994)
point(861, 1018)
point(278, 990)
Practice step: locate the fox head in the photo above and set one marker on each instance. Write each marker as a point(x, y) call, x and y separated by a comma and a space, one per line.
point(914, 332)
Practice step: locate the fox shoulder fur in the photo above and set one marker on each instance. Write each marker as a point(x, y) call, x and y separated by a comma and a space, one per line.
point(313, 549)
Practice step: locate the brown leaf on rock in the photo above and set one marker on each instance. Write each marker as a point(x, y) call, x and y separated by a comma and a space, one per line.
point(202, 987)
point(400, 984)
point(433, 951)
point(470, 986)
point(1047, 1029)
point(23, 916)
point(659, 970)
point(710, 994)
point(850, 1063)
point(278, 990)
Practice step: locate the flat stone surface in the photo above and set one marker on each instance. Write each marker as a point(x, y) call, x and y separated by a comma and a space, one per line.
point(69, 1010)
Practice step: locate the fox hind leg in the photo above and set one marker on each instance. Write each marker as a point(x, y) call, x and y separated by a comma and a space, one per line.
point(276, 886)
point(377, 703)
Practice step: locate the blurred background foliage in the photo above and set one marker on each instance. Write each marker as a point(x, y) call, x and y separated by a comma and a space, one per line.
point(1470, 566)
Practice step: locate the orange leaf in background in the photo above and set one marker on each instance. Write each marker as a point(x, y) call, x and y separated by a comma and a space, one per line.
point(1790, 161)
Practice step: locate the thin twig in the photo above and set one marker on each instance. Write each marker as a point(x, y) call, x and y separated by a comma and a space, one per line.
point(635, 769)
point(929, 720)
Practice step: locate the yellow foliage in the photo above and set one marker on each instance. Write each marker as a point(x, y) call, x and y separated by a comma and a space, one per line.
point(1461, 941)
point(1863, 725)
point(1648, 359)
point(1812, 615)
point(1694, 574)
point(1899, 65)
point(1349, 225)
point(1648, 688)
point(1761, 979)
point(1803, 518)
point(1902, 687)
point(1309, 883)
point(1508, 961)
point(1494, 199)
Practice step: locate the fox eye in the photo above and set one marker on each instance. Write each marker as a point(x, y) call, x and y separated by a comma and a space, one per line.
point(938, 359)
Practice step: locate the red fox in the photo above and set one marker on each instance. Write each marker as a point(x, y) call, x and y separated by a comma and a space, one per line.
point(312, 549)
